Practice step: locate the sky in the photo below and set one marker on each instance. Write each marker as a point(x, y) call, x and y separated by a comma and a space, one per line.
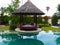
point(41, 4)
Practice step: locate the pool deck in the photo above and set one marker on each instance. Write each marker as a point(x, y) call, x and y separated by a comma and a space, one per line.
point(28, 33)
point(23, 31)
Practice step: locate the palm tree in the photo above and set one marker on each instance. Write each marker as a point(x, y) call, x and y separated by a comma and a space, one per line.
point(47, 8)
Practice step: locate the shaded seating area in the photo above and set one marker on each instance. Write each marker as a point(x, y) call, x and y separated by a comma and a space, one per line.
point(28, 9)
point(31, 26)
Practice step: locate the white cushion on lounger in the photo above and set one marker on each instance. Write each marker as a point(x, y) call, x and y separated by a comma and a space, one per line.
point(27, 25)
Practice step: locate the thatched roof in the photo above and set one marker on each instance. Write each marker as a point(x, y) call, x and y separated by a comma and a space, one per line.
point(28, 8)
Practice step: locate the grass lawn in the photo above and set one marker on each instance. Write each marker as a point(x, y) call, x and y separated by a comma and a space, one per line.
point(7, 28)
point(51, 28)
point(4, 28)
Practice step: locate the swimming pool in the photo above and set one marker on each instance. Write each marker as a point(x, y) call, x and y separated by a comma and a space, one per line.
point(43, 38)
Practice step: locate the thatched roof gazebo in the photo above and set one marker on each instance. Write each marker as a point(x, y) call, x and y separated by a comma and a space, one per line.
point(28, 9)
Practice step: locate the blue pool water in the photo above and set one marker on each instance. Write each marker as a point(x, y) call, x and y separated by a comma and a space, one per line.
point(43, 38)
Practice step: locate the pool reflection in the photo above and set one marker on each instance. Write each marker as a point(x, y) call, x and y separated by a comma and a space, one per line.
point(43, 38)
point(26, 42)
point(58, 41)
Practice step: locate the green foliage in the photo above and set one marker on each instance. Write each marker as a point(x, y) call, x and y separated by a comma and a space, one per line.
point(39, 19)
point(14, 22)
point(43, 25)
point(6, 20)
point(0, 20)
point(27, 19)
point(13, 6)
point(58, 12)
point(54, 20)
point(45, 20)
point(2, 9)
point(58, 7)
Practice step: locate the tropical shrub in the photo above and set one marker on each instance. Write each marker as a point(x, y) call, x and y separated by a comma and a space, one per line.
point(15, 20)
point(45, 20)
point(6, 20)
point(39, 20)
point(54, 20)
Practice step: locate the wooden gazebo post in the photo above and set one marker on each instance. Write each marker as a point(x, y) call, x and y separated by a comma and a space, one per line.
point(21, 18)
point(35, 19)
